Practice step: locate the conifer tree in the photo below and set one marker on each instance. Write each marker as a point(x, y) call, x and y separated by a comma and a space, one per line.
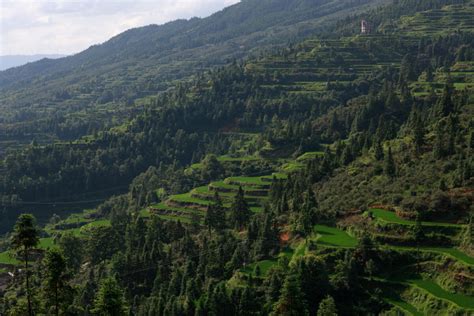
point(56, 277)
point(240, 211)
point(110, 300)
point(418, 134)
point(389, 168)
point(445, 104)
point(378, 150)
point(418, 233)
point(291, 301)
point(211, 220)
point(25, 238)
point(327, 307)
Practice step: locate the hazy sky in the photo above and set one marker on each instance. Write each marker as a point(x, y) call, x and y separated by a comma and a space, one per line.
point(70, 26)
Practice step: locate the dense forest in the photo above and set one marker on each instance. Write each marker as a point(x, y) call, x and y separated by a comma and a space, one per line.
point(332, 175)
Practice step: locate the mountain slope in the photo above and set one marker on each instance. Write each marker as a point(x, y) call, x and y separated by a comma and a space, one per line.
point(82, 93)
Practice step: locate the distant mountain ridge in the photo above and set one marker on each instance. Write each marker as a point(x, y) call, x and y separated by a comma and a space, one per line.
point(10, 61)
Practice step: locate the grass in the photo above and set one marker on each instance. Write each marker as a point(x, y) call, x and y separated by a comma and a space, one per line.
point(176, 218)
point(99, 223)
point(187, 198)
point(408, 308)
point(391, 217)
point(335, 237)
point(452, 252)
point(235, 187)
point(46, 243)
point(265, 265)
point(433, 288)
point(292, 166)
point(5, 258)
point(228, 159)
point(310, 155)
point(249, 180)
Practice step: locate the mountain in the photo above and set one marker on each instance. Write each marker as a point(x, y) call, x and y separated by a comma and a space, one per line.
point(332, 175)
point(97, 87)
point(10, 61)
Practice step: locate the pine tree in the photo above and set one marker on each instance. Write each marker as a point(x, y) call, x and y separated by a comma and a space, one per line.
point(438, 147)
point(56, 277)
point(219, 212)
point(445, 105)
point(327, 307)
point(389, 168)
point(309, 210)
point(240, 211)
point(378, 150)
point(418, 134)
point(110, 300)
point(418, 233)
point(291, 301)
point(25, 237)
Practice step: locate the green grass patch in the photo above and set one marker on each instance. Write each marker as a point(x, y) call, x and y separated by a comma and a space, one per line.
point(265, 265)
point(391, 217)
point(334, 237)
point(310, 155)
point(433, 288)
point(5, 258)
point(182, 219)
point(98, 223)
point(451, 252)
point(292, 166)
point(406, 307)
point(247, 180)
point(46, 243)
point(187, 198)
point(235, 187)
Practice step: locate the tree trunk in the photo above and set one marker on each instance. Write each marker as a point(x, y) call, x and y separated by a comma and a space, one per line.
point(56, 299)
point(28, 294)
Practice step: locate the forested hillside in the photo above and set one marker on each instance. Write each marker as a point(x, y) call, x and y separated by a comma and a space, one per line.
point(330, 176)
point(105, 84)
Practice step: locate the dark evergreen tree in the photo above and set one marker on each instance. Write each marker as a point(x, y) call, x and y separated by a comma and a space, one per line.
point(291, 301)
point(25, 237)
point(56, 279)
point(378, 150)
point(389, 164)
point(239, 211)
point(327, 307)
point(110, 300)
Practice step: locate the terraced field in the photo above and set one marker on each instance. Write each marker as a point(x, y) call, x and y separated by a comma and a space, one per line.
point(405, 307)
point(334, 237)
point(191, 206)
point(391, 217)
point(434, 289)
point(184, 206)
point(441, 21)
point(320, 62)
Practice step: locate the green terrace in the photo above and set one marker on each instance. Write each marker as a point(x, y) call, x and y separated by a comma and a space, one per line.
point(442, 21)
point(461, 75)
point(185, 206)
point(405, 296)
point(324, 236)
point(391, 217)
point(229, 159)
point(321, 61)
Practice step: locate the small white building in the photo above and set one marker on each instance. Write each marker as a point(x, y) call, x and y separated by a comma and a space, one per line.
point(364, 27)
